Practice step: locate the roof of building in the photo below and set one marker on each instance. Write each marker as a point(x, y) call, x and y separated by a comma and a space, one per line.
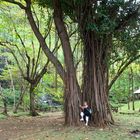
point(137, 91)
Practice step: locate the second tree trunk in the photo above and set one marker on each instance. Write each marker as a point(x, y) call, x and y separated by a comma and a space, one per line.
point(95, 79)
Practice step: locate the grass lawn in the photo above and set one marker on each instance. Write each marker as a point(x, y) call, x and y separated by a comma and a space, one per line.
point(120, 131)
point(50, 127)
point(124, 108)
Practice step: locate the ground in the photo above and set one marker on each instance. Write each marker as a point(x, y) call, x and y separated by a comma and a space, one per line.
point(50, 127)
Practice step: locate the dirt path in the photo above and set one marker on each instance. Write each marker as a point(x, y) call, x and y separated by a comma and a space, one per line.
point(19, 127)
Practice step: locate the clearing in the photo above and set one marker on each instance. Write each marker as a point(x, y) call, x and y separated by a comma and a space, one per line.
point(50, 127)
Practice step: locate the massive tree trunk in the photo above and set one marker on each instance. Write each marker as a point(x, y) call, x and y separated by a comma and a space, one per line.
point(71, 100)
point(95, 77)
point(68, 75)
point(72, 89)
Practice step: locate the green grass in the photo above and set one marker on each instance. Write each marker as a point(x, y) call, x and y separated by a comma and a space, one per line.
point(2, 116)
point(54, 130)
point(120, 131)
point(19, 114)
point(124, 108)
point(10, 113)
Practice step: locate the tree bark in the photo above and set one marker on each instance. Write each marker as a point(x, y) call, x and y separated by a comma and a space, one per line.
point(32, 102)
point(95, 78)
point(72, 89)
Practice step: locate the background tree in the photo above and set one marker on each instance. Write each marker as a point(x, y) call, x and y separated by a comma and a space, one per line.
point(121, 91)
point(30, 68)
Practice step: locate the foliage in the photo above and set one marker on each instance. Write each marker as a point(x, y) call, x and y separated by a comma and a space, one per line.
point(48, 86)
point(108, 14)
point(2, 117)
point(19, 114)
point(9, 95)
point(124, 107)
point(26, 102)
point(122, 88)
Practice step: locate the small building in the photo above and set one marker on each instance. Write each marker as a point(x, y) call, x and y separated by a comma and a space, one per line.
point(137, 93)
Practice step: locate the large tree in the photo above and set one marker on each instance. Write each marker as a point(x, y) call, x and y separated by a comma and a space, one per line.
point(98, 25)
point(98, 22)
point(68, 72)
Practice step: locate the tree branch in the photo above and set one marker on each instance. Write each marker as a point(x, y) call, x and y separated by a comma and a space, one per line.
point(44, 70)
point(37, 60)
point(36, 17)
point(43, 44)
point(120, 71)
point(22, 42)
point(16, 59)
point(39, 36)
